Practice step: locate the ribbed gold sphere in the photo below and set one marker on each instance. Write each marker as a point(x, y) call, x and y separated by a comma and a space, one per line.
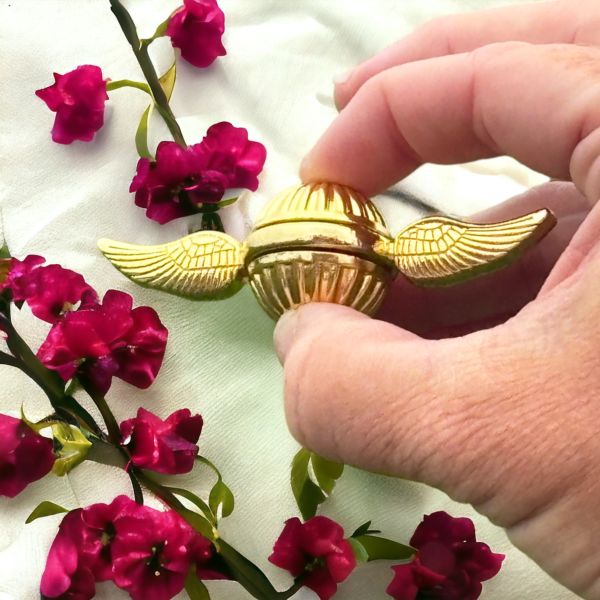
point(314, 243)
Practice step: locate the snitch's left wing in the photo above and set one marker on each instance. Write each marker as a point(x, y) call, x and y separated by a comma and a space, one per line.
point(438, 251)
point(206, 265)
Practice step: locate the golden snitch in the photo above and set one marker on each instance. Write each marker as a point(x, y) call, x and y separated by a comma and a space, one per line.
point(324, 242)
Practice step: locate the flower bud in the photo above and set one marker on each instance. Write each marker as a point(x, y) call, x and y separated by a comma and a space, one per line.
point(167, 446)
point(71, 448)
point(450, 563)
point(25, 456)
point(196, 28)
point(78, 99)
point(318, 548)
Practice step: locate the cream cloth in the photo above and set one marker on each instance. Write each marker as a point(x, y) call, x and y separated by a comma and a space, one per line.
point(276, 81)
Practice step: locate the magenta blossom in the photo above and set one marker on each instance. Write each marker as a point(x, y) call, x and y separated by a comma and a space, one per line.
point(78, 99)
point(180, 179)
point(25, 456)
point(81, 552)
point(165, 446)
point(196, 28)
point(450, 564)
point(47, 290)
point(144, 551)
point(107, 340)
point(153, 552)
point(320, 544)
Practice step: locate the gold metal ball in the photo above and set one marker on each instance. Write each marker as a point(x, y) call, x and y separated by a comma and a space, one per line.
point(314, 243)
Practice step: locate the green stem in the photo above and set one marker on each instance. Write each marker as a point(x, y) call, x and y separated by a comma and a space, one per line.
point(298, 584)
point(114, 433)
point(49, 381)
point(29, 363)
point(207, 462)
point(115, 85)
point(11, 361)
point(245, 572)
point(140, 49)
point(107, 454)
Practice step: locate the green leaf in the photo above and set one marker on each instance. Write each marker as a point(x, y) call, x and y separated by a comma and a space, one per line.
point(195, 500)
point(167, 81)
point(45, 509)
point(379, 548)
point(359, 551)
point(326, 472)
point(227, 202)
point(37, 427)
point(221, 495)
point(362, 529)
point(138, 85)
point(4, 253)
point(194, 587)
point(308, 495)
point(160, 30)
point(141, 135)
point(198, 522)
point(247, 573)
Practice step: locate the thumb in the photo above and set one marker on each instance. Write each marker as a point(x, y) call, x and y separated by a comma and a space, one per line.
point(457, 414)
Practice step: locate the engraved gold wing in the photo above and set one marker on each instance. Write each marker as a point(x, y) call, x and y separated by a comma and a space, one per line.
point(207, 265)
point(438, 251)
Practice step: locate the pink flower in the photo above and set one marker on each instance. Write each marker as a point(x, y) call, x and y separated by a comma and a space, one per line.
point(78, 99)
point(152, 553)
point(25, 456)
point(179, 179)
point(319, 544)
point(80, 554)
point(450, 564)
point(126, 543)
point(47, 290)
point(196, 28)
point(165, 446)
point(107, 340)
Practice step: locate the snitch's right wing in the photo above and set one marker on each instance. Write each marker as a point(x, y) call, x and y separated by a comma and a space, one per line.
point(205, 265)
point(438, 251)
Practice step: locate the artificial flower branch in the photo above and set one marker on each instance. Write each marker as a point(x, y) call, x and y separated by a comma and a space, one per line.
point(140, 49)
point(180, 180)
point(111, 452)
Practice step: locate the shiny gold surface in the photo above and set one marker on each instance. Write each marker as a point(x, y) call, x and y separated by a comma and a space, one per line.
point(202, 266)
point(442, 251)
point(325, 243)
point(285, 280)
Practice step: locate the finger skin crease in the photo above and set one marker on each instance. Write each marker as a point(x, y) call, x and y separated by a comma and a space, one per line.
point(479, 125)
point(400, 142)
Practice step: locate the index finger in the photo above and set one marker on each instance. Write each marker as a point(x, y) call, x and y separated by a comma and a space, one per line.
point(536, 23)
point(538, 104)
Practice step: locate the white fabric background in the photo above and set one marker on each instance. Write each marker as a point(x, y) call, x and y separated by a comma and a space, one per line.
point(276, 81)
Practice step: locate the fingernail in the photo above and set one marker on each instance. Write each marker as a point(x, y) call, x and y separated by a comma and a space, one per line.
point(285, 332)
point(342, 78)
point(305, 165)
point(337, 82)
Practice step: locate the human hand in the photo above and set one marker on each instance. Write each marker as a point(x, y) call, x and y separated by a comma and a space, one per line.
point(505, 417)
